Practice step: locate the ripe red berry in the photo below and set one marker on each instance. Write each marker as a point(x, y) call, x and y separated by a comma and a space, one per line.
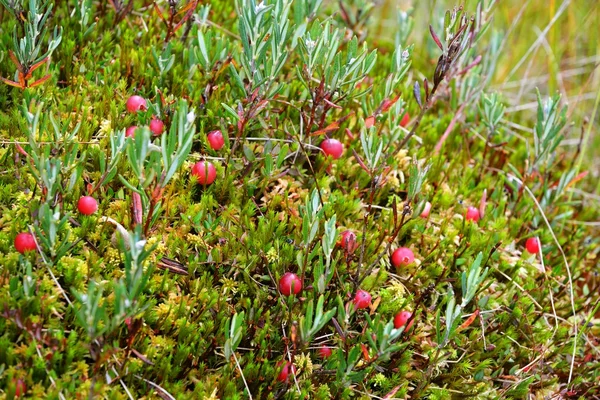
point(24, 242)
point(533, 245)
point(405, 120)
point(401, 318)
point(286, 369)
point(215, 140)
point(289, 283)
point(157, 126)
point(402, 257)
point(348, 241)
point(136, 103)
point(205, 172)
point(325, 352)
point(426, 210)
point(472, 214)
point(333, 148)
point(87, 205)
point(130, 132)
point(362, 299)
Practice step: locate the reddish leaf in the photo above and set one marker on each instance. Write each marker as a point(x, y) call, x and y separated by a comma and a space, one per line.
point(332, 104)
point(350, 135)
point(370, 121)
point(160, 14)
point(190, 6)
point(360, 162)
point(34, 67)
point(365, 352)
point(141, 357)
point(22, 80)
point(11, 83)
point(172, 266)
point(469, 320)
point(136, 208)
point(329, 128)
point(573, 181)
point(259, 107)
point(392, 393)
point(40, 81)
point(387, 103)
point(21, 150)
point(15, 61)
point(435, 38)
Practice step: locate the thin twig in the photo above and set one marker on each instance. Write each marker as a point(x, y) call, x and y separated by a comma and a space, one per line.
point(242, 374)
point(157, 387)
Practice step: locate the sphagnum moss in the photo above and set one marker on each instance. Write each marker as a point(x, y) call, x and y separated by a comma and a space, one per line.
point(170, 289)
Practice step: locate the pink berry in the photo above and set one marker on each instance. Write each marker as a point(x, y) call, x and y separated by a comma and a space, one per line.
point(333, 148)
point(290, 284)
point(533, 245)
point(24, 242)
point(325, 352)
point(205, 172)
point(136, 103)
point(215, 140)
point(348, 241)
point(405, 120)
point(87, 205)
point(401, 318)
point(402, 257)
point(472, 214)
point(362, 299)
point(426, 210)
point(157, 126)
point(130, 132)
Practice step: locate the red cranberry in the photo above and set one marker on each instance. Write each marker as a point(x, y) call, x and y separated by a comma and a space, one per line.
point(157, 126)
point(472, 214)
point(401, 318)
point(24, 242)
point(130, 132)
point(215, 140)
point(333, 148)
point(402, 257)
point(533, 245)
point(136, 103)
point(325, 352)
point(362, 299)
point(87, 205)
point(205, 172)
point(290, 284)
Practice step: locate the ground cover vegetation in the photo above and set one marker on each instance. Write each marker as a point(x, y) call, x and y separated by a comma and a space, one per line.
point(297, 199)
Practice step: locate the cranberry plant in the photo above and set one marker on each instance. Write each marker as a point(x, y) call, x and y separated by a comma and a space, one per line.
point(293, 199)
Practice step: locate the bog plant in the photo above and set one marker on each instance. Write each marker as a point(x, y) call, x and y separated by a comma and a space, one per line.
point(271, 200)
